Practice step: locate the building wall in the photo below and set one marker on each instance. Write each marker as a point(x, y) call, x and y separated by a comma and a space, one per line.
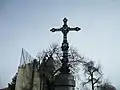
point(24, 77)
point(20, 82)
point(36, 80)
point(29, 78)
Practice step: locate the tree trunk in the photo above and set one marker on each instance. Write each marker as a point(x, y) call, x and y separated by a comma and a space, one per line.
point(92, 81)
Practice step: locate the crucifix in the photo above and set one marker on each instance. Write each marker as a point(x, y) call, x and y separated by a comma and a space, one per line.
point(65, 46)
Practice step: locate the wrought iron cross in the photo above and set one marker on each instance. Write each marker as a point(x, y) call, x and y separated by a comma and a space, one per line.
point(65, 29)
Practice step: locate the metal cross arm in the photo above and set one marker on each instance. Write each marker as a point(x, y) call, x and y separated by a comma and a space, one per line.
point(53, 29)
point(65, 27)
point(68, 29)
point(74, 29)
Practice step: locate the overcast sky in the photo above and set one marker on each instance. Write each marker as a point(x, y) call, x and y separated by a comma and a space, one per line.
point(26, 24)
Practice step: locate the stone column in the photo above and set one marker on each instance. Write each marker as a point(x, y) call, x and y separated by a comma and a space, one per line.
point(64, 81)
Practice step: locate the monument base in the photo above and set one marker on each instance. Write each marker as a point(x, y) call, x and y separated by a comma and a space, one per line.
point(64, 82)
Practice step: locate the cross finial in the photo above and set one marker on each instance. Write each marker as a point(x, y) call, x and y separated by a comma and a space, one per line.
point(65, 21)
point(65, 46)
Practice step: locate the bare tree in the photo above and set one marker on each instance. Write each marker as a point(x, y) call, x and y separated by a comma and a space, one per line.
point(75, 59)
point(93, 74)
point(55, 50)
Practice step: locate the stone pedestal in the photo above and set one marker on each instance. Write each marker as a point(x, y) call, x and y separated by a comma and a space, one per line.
point(64, 82)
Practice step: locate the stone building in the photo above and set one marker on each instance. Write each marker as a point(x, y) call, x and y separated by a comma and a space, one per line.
point(33, 75)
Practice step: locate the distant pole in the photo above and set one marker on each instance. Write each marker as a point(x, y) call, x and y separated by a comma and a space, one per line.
point(0, 83)
point(65, 46)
